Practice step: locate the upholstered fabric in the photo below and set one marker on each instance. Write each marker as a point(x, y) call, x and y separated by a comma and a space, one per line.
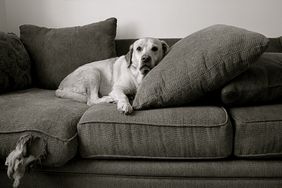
point(199, 64)
point(182, 133)
point(57, 52)
point(122, 45)
point(260, 84)
point(275, 45)
point(38, 112)
point(156, 173)
point(14, 64)
point(258, 131)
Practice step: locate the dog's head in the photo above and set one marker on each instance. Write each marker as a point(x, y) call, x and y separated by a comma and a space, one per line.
point(145, 54)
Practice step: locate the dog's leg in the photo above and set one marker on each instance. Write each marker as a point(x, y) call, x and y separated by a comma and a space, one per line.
point(93, 90)
point(123, 104)
point(63, 93)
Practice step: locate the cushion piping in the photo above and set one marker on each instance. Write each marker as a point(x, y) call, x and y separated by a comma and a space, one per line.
point(42, 132)
point(248, 122)
point(163, 125)
point(258, 155)
point(150, 157)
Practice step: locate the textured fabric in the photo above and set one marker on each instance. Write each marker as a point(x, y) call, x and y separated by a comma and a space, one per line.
point(122, 45)
point(199, 64)
point(261, 83)
point(41, 114)
point(147, 173)
point(190, 132)
point(57, 52)
point(275, 45)
point(44, 180)
point(258, 131)
point(14, 64)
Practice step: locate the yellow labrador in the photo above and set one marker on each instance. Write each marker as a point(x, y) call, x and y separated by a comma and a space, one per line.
point(111, 80)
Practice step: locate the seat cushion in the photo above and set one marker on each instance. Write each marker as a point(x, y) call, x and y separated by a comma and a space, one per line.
point(39, 113)
point(170, 133)
point(258, 131)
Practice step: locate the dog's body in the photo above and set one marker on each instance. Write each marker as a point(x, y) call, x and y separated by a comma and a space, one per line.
point(112, 79)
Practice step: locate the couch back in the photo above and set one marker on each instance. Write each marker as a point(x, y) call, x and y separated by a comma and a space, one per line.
point(122, 45)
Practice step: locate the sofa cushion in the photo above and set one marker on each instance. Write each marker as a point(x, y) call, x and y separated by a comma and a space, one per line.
point(57, 52)
point(170, 133)
point(258, 131)
point(199, 64)
point(275, 45)
point(39, 113)
point(14, 64)
point(261, 83)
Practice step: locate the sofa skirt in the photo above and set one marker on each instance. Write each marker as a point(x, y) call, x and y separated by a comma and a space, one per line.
point(149, 173)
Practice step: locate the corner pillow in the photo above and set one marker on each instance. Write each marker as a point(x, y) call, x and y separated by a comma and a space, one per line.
point(261, 83)
point(57, 52)
point(14, 64)
point(199, 64)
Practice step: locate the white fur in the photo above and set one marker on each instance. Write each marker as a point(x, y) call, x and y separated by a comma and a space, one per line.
point(112, 79)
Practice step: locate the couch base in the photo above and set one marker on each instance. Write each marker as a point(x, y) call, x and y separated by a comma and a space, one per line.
point(145, 173)
point(47, 180)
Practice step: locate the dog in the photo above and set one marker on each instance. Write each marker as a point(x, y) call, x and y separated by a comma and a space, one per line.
point(111, 80)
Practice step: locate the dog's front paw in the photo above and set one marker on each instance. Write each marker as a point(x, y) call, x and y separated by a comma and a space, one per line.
point(105, 99)
point(124, 107)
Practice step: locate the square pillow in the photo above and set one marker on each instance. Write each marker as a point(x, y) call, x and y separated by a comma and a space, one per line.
point(261, 83)
point(56, 52)
point(199, 64)
point(14, 64)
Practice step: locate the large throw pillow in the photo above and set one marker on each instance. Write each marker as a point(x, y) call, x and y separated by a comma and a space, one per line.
point(199, 64)
point(14, 64)
point(57, 52)
point(261, 83)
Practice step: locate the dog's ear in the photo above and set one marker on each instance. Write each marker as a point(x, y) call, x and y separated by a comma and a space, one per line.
point(165, 47)
point(128, 56)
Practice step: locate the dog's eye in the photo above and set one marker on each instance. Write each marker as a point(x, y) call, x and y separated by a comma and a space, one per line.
point(139, 49)
point(154, 49)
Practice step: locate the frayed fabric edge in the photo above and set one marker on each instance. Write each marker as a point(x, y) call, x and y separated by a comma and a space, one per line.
point(28, 151)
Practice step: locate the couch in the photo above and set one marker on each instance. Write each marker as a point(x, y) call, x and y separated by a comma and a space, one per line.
point(202, 145)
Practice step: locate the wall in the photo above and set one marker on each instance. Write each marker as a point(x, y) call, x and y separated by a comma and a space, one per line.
point(3, 23)
point(156, 18)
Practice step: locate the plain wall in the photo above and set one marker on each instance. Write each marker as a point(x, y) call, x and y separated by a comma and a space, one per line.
point(3, 24)
point(155, 18)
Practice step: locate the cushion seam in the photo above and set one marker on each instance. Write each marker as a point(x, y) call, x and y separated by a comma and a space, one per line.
point(143, 176)
point(258, 154)
point(254, 121)
point(150, 157)
point(44, 133)
point(224, 123)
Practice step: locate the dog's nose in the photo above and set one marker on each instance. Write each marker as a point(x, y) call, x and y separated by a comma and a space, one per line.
point(145, 58)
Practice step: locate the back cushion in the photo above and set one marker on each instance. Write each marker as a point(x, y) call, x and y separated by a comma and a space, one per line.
point(14, 64)
point(260, 84)
point(275, 45)
point(57, 52)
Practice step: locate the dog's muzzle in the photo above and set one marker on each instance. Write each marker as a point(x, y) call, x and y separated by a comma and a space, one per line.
point(146, 64)
point(145, 69)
